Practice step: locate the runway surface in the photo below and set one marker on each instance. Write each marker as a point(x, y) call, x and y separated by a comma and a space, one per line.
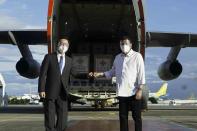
point(153, 120)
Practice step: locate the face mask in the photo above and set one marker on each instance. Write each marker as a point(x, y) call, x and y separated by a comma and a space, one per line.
point(125, 48)
point(65, 49)
point(62, 49)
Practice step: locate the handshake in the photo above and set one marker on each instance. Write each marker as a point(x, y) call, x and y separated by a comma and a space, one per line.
point(96, 74)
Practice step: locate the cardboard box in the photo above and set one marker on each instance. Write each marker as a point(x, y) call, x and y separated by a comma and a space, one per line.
point(102, 63)
point(81, 62)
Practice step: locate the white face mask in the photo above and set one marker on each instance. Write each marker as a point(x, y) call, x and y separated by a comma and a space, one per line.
point(62, 49)
point(125, 48)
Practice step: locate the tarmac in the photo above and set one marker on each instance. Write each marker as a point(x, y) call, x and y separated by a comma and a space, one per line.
point(92, 120)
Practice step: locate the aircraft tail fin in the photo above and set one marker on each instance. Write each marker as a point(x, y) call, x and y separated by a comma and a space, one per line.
point(163, 90)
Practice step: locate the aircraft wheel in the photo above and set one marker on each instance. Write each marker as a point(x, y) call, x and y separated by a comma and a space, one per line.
point(96, 105)
point(103, 104)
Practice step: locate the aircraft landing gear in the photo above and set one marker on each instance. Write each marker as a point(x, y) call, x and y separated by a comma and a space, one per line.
point(100, 104)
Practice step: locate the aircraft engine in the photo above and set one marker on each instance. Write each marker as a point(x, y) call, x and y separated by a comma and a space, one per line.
point(169, 70)
point(28, 68)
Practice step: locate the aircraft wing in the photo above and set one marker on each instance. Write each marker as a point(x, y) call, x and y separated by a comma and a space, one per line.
point(28, 36)
point(166, 39)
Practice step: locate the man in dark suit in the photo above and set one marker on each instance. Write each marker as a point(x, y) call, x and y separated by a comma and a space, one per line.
point(53, 86)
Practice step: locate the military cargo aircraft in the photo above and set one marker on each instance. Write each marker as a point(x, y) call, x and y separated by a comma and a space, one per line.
point(94, 27)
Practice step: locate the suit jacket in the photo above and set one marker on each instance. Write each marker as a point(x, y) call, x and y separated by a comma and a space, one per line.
point(51, 80)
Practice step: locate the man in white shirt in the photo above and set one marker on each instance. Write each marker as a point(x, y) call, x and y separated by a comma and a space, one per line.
point(128, 68)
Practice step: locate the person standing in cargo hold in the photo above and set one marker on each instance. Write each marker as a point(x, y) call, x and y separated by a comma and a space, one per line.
point(128, 68)
point(53, 86)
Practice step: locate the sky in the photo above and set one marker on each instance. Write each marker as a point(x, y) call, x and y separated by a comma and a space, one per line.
point(161, 15)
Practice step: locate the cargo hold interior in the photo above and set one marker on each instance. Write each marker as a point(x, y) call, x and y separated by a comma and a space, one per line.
point(94, 29)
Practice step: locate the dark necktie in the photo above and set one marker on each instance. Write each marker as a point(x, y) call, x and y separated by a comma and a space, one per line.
point(61, 63)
